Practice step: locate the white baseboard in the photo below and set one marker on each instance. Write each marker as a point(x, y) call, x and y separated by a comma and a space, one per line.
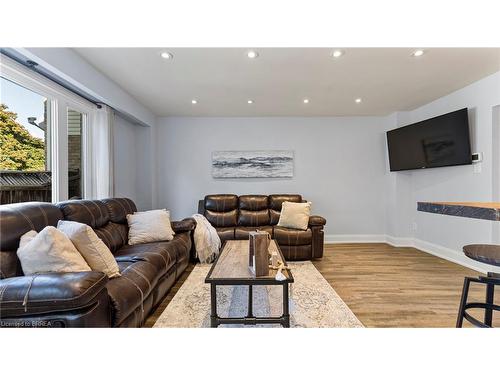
point(399, 241)
point(451, 255)
point(428, 247)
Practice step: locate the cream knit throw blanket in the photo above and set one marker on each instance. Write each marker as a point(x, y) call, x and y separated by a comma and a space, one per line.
point(206, 240)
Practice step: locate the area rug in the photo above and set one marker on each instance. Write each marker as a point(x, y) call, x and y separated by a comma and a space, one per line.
point(313, 302)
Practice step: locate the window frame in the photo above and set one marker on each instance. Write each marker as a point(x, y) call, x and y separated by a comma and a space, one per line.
point(86, 150)
point(60, 100)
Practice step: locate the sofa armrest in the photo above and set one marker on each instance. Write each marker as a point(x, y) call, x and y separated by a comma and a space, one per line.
point(316, 220)
point(184, 225)
point(316, 224)
point(49, 292)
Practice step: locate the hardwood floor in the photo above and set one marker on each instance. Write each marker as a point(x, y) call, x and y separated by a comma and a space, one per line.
point(386, 286)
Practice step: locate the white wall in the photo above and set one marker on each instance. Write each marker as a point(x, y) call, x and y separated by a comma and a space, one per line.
point(339, 165)
point(446, 235)
point(132, 162)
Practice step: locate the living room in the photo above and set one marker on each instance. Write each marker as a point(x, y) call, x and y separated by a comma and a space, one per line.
point(227, 181)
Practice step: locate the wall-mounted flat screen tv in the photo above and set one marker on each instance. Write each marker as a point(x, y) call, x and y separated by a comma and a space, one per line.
point(440, 141)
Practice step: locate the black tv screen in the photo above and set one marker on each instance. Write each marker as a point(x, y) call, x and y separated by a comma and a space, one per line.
point(437, 142)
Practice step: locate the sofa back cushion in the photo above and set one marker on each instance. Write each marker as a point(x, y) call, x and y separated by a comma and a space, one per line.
point(221, 210)
point(108, 218)
point(119, 208)
point(16, 220)
point(94, 213)
point(115, 233)
point(253, 210)
point(275, 202)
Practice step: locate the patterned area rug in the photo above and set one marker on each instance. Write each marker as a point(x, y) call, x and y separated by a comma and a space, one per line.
point(313, 302)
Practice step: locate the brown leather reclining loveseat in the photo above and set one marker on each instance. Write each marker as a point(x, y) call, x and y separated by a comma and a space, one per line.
point(235, 216)
point(88, 299)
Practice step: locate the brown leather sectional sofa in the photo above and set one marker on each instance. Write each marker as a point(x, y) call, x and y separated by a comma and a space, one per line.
point(235, 216)
point(88, 299)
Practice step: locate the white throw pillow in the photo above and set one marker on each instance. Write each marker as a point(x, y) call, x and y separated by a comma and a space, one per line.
point(149, 226)
point(94, 251)
point(50, 251)
point(295, 215)
point(27, 237)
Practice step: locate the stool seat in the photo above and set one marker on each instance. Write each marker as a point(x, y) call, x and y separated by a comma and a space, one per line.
point(489, 254)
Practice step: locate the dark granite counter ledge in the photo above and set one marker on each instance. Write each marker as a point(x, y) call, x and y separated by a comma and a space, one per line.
point(475, 210)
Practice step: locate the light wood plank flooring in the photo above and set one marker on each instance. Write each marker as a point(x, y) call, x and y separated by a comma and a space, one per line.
point(387, 286)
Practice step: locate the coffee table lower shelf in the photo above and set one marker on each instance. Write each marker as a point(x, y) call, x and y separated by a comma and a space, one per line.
point(250, 319)
point(231, 268)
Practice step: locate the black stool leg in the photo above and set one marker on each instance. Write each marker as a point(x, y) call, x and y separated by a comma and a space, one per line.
point(463, 301)
point(490, 294)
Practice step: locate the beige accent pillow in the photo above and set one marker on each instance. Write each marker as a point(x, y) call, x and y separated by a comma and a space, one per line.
point(27, 237)
point(149, 226)
point(50, 251)
point(295, 215)
point(94, 251)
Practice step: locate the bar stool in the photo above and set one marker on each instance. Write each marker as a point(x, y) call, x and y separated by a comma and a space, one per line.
point(489, 254)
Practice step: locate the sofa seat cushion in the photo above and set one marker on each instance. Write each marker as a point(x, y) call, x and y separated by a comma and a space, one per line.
point(241, 233)
point(292, 237)
point(128, 292)
point(225, 233)
point(163, 255)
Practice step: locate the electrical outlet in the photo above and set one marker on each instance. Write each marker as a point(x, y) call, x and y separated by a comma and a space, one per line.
point(414, 227)
point(477, 168)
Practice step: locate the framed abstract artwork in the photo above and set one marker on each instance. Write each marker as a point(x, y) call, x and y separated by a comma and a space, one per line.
point(252, 164)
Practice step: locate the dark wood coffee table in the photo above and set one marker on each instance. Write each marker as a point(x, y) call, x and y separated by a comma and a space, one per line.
point(231, 268)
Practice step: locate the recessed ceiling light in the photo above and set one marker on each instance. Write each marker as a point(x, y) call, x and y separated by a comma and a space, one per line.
point(252, 54)
point(167, 55)
point(337, 53)
point(358, 100)
point(306, 101)
point(194, 101)
point(250, 101)
point(418, 53)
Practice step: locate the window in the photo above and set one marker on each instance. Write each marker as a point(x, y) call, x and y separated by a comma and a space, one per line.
point(44, 153)
point(75, 146)
point(25, 172)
